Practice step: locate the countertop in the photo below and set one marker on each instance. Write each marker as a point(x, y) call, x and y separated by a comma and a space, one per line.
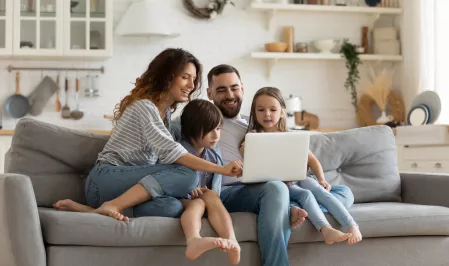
point(10, 132)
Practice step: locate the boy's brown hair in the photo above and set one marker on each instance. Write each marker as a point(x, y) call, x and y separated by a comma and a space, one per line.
point(198, 118)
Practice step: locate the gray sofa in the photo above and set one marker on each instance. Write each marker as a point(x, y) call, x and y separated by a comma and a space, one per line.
point(404, 217)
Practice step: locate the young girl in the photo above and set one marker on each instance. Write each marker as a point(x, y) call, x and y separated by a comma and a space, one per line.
point(268, 115)
point(201, 122)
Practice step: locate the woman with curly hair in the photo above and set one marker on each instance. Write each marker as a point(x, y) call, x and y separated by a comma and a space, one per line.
point(141, 166)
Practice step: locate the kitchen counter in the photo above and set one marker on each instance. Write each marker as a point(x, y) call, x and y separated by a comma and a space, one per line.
point(10, 132)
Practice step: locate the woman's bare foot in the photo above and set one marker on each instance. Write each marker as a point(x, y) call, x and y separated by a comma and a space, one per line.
point(197, 246)
point(332, 235)
point(356, 235)
point(71, 206)
point(297, 216)
point(234, 252)
point(109, 209)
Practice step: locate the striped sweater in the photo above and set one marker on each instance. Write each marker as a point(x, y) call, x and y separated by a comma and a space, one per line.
point(140, 137)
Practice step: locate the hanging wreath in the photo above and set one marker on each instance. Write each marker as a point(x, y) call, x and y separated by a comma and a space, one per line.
point(211, 11)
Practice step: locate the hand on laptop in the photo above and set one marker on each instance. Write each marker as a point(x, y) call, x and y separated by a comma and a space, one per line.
point(234, 169)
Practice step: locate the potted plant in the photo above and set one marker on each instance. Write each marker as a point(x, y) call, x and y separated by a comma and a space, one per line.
point(349, 52)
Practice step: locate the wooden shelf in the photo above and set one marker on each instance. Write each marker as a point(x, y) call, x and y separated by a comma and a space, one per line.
point(273, 8)
point(326, 8)
point(273, 58)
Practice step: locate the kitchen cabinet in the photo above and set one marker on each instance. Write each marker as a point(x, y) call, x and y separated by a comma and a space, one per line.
point(6, 12)
point(56, 28)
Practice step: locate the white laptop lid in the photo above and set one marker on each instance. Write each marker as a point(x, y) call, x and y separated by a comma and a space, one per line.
point(275, 156)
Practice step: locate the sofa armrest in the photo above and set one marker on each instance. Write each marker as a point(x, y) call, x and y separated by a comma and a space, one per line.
point(426, 189)
point(23, 243)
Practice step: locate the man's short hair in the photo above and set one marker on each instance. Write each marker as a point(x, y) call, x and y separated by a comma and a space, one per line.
point(221, 69)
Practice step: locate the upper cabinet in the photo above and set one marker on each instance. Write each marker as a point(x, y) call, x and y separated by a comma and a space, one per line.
point(56, 28)
point(6, 14)
point(37, 27)
point(88, 28)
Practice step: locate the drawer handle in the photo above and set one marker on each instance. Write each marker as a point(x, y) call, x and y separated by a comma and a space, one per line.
point(414, 165)
point(438, 165)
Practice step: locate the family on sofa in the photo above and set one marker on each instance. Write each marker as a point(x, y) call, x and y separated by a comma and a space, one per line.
point(190, 165)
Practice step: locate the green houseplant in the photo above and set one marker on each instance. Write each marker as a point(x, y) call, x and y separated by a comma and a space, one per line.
point(349, 52)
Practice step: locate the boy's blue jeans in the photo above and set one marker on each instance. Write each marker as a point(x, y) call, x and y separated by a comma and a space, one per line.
point(164, 182)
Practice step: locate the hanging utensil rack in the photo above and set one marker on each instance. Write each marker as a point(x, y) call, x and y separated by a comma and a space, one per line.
point(60, 69)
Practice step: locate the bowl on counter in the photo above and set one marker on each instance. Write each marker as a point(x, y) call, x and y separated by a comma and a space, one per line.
point(276, 47)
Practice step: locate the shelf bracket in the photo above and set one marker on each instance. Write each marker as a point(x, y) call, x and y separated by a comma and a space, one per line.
point(271, 15)
point(372, 20)
point(271, 64)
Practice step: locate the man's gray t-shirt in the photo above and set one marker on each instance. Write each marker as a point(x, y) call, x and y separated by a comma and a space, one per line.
point(232, 133)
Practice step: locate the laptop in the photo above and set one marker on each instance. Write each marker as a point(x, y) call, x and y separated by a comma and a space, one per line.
point(278, 156)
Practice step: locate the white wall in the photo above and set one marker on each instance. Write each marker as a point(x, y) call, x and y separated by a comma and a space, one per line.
point(229, 39)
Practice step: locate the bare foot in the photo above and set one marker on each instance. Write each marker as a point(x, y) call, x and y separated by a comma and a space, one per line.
point(71, 206)
point(197, 246)
point(332, 235)
point(356, 235)
point(297, 216)
point(108, 209)
point(234, 252)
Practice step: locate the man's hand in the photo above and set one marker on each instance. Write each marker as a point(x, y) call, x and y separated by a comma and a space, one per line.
point(234, 169)
point(324, 184)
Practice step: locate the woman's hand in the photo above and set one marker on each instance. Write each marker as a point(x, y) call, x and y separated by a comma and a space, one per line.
point(324, 184)
point(234, 169)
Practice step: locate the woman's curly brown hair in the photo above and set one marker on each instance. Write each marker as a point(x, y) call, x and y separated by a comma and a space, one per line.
point(157, 79)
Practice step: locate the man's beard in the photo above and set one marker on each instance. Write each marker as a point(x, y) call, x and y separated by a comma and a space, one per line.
point(228, 113)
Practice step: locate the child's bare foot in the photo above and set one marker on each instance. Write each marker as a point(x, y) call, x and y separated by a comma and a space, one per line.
point(71, 206)
point(356, 235)
point(297, 216)
point(234, 252)
point(332, 235)
point(197, 246)
point(108, 209)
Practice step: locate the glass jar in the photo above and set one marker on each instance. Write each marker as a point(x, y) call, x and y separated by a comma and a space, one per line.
point(301, 47)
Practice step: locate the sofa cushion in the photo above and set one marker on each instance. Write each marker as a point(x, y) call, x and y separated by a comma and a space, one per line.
point(386, 219)
point(56, 159)
point(374, 219)
point(69, 228)
point(364, 159)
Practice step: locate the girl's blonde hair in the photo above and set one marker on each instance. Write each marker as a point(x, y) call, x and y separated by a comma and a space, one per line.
point(253, 124)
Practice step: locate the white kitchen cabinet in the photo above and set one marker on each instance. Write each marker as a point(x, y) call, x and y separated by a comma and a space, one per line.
point(56, 28)
point(38, 27)
point(5, 144)
point(6, 14)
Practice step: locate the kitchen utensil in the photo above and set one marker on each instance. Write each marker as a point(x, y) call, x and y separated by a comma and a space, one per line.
point(41, 94)
point(58, 105)
point(17, 105)
point(293, 105)
point(65, 112)
point(77, 114)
